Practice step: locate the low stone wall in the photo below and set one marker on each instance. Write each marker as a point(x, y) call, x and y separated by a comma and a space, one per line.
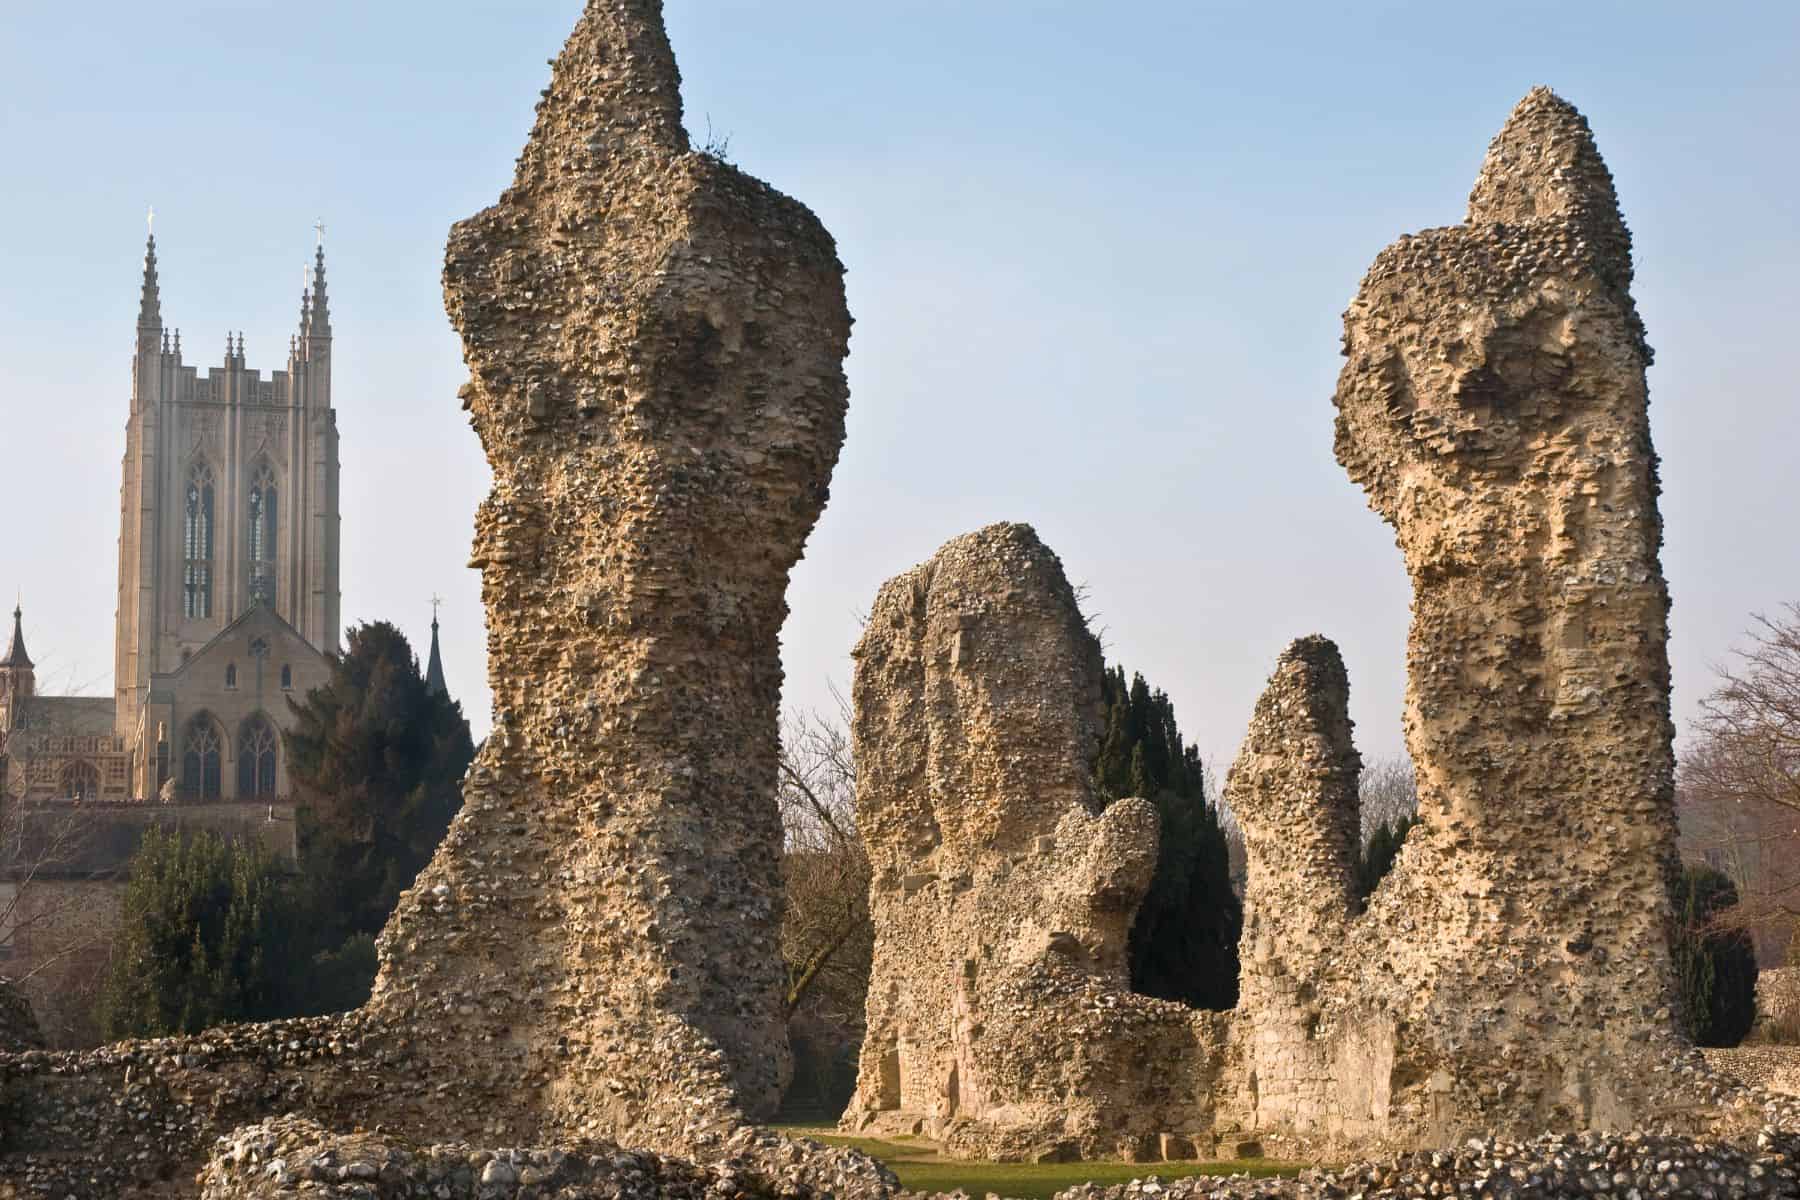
point(1637, 1166)
point(1778, 997)
point(294, 1157)
point(1776, 1068)
point(217, 1115)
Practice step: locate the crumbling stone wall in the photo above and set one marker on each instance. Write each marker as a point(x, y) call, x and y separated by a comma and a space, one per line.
point(655, 343)
point(1000, 1017)
point(1777, 1001)
point(1512, 973)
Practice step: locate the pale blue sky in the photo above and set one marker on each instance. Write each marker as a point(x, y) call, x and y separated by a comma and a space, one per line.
point(1097, 256)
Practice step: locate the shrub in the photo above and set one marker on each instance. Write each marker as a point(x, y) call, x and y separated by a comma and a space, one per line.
point(1715, 966)
point(203, 931)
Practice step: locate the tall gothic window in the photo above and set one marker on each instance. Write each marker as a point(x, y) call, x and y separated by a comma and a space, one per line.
point(262, 516)
point(256, 758)
point(197, 544)
point(200, 756)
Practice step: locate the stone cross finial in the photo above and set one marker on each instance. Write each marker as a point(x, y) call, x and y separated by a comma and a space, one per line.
point(319, 231)
point(150, 220)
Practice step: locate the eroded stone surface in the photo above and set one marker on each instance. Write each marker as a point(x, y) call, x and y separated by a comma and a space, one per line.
point(1512, 973)
point(999, 1013)
point(655, 343)
point(295, 1157)
point(1293, 788)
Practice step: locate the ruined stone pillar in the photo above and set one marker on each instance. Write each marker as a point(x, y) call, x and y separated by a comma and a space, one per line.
point(655, 344)
point(1000, 1016)
point(1513, 972)
point(1293, 789)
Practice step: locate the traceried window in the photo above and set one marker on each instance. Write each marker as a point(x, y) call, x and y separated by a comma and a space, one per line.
point(262, 522)
point(197, 544)
point(200, 757)
point(81, 781)
point(256, 758)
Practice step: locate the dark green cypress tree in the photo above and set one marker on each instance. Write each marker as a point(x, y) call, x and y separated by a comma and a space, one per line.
point(379, 757)
point(1184, 941)
point(1714, 968)
point(1377, 855)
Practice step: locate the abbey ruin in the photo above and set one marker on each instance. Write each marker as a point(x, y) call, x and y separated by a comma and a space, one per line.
point(1513, 973)
point(581, 996)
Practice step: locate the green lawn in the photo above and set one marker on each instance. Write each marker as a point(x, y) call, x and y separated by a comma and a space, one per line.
point(920, 1168)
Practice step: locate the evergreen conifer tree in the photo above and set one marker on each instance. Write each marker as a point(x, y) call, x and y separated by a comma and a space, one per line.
point(379, 758)
point(1184, 941)
point(202, 935)
point(1715, 968)
point(1376, 857)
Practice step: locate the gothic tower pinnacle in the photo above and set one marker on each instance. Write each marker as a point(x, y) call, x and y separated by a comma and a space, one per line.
point(319, 324)
point(150, 301)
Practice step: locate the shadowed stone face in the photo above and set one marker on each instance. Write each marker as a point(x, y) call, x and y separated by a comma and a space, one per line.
point(1000, 1016)
point(1513, 972)
point(655, 344)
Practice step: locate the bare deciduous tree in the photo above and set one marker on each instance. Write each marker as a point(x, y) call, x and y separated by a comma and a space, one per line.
point(1739, 780)
point(1388, 791)
point(827, 939)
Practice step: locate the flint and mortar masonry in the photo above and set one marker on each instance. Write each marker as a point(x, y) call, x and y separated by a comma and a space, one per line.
point(655, 342)
point(1000, 1016)
point(1512, 974)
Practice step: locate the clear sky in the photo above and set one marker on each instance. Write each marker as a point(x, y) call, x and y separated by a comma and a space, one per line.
point(1097, 255)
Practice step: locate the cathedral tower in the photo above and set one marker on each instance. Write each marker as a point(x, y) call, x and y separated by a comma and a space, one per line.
point(228, 499)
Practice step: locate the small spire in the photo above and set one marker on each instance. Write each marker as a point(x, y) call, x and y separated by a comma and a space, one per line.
point(15, 653)
point(434, 668)
point(165, 334)
point(320, 325)
point(178, 344)
point(150, 301)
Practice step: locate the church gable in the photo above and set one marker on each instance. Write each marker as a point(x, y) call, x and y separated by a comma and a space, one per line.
point(259, 654)
point(213, 725)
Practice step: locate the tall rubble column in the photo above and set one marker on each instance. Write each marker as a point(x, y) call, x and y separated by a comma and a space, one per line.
point(1293, 789)
point(655, 344)
point(1513, 972)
